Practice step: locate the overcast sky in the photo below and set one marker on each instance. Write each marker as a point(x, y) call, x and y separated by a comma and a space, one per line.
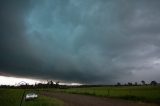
point(85, 41)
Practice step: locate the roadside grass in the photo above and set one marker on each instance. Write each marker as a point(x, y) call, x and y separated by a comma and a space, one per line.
point(137, 93)
point(43, 101)
point(12, 97)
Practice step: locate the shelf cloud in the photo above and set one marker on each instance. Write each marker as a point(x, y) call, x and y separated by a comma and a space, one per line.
point(93, 41)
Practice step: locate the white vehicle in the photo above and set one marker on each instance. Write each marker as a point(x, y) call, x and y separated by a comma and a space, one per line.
point(31, 96)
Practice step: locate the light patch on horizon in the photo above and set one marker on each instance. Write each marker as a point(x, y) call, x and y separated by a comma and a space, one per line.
point(14, 81)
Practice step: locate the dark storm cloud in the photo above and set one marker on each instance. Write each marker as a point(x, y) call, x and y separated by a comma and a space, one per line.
point(15, 56)
point(93, 41)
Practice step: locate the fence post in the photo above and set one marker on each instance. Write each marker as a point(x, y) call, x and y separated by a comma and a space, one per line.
point(22, 97)
point(108, 92)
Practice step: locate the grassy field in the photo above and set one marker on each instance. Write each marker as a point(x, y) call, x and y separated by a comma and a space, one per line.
point(12, 97)
point(139, 93)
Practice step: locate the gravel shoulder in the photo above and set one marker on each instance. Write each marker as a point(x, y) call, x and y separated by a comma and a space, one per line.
point(85, 100)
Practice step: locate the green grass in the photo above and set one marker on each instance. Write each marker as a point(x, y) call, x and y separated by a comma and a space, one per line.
point(12, 97)
point(139, 93)
point(43, 101)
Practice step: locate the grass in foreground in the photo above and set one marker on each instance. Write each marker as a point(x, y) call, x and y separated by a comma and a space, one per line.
point(43, 101)
point(12, 97)
point(138, 93)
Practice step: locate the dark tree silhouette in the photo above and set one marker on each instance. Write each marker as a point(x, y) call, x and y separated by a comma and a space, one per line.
point(57, 84)
point(143, 82)
point(135, 83)
point(118, 84)
point(130, 83)
point(153, 83)
point(51, 83)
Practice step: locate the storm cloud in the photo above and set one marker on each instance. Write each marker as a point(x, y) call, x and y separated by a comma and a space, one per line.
point(93, 41)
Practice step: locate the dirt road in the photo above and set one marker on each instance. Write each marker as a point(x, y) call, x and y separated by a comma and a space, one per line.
point(83, 100)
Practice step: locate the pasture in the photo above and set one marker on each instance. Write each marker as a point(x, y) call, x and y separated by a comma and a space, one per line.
point(137, 93)
point(12, 97)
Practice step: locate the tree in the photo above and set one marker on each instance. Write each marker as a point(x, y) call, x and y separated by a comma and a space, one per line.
point(50, 83)
point(153, 83)
point(143, 82)
point(130, 83)
point(135, 83)
point(118, 84)
point(57, 84)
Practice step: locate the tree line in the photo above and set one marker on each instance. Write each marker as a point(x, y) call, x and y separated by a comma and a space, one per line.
point(52, 84)
point(153, 83)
